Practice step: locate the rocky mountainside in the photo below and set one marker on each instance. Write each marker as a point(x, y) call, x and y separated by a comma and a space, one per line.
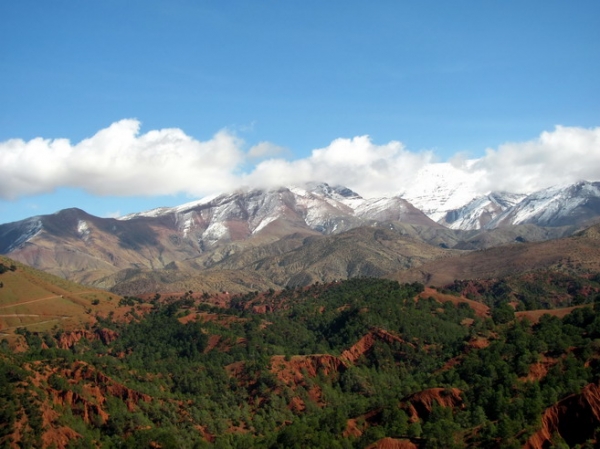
point(316, 207)
point(295, 260)
point(481, 212)
point(195, 236)
point(575, 255)
point(285, 236)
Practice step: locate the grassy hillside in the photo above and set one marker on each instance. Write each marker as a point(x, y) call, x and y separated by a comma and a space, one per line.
point(38, 300)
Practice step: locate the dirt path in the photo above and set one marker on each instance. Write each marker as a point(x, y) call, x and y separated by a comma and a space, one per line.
point(43, 299)
point(29, 302)
point(4, 329)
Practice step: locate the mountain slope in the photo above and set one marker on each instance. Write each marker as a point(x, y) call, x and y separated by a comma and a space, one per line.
point(478, 213)
point(579, 254)
point(38, 300)
point(555, 206)
point(76, 245)
point(272, 237)
point(296, 260)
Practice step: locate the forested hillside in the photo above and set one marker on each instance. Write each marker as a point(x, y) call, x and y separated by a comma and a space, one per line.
point(338, 365)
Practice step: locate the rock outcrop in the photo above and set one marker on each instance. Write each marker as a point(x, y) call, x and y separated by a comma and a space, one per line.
point(292, 371)
point(68, 339)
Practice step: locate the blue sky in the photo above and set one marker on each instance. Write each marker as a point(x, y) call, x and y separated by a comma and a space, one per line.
point(242, 85)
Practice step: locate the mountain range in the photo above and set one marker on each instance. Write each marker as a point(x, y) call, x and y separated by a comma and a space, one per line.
point(266, 238)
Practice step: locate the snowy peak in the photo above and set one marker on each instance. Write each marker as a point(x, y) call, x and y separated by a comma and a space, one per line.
point(555, 206)
point(316, 206)
point(481, 211)
point(440, 188)
point(338, 193)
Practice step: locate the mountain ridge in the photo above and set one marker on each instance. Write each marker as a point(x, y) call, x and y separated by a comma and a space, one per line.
point(280, 228)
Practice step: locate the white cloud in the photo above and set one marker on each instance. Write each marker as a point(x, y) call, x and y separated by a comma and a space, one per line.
point(120, 161)
point(565, 155)
point(370, 169)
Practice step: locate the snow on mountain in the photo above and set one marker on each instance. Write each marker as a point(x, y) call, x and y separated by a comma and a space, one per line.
point(480, 211)
point(319, 206)
point(441, 192)
point(83, 229)
point(12, 235)
point(443, 187)
point(554, 206)
point(392, 209)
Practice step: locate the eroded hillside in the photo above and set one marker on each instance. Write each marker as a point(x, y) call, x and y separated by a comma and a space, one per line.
point(358, 363)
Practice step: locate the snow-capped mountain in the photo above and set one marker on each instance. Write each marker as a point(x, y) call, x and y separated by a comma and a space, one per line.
point(12, 235)
point(554, 206)
point(317, 206)
point(199, 234)
point(248, 228)
point(450, 195)
point(481, 212)
point(440, 188)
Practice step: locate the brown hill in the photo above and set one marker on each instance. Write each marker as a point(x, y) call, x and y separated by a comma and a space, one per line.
point(576, 254)
point(39, 301)
point(295, 260)
point(480, 309)
point(534, 315)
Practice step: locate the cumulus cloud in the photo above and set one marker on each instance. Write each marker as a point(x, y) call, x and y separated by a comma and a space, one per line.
point(561, 156)
point(564, 155)
point(121, 161)
point(370, 169)
point(118, 160)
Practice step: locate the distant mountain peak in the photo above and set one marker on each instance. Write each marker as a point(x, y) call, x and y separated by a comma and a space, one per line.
point(324, 189)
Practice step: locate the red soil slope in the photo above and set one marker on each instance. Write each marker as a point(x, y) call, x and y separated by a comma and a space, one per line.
point(480, 309)
point(392, 443)
point(363, 345)
point(68, 339)
point(576, 419)
point(420, 404)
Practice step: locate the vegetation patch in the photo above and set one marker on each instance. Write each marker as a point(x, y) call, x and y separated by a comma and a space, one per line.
point(343, 365)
